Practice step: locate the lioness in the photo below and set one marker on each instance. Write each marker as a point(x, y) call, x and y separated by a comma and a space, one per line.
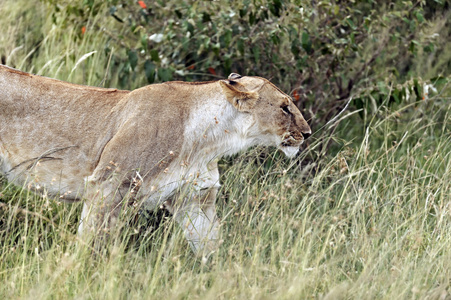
point(150, 146)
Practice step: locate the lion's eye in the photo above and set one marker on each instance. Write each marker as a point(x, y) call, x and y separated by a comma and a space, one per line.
point(285, 109)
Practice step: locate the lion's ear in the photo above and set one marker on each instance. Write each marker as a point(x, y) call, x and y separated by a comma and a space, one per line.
point(234, 76)
point(242, 101)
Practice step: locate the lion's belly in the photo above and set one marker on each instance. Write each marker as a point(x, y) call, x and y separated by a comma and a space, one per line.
point(48, 172)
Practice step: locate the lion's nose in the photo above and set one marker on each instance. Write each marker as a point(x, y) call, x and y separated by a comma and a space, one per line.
point(305, 130)
point(306, 134)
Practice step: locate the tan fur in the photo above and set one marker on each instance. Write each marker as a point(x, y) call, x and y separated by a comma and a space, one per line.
point(153, 145)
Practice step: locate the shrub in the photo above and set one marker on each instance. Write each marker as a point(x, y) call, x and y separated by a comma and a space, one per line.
point(320, 52)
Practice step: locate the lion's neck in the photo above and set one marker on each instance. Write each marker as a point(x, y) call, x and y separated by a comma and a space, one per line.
point(217, 129)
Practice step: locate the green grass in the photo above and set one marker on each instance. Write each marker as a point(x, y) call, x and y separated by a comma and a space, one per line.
point(369, 219)
point(369, 222)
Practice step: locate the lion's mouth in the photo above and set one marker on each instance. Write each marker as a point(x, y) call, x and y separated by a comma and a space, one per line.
point(290, 141)
point(290, 145)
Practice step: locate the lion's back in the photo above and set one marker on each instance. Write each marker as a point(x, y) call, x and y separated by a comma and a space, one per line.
point(56, 128)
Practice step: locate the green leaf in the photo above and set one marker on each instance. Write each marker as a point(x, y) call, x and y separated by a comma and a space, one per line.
point(188, 27)
point(256, 51)
point(382, 87)
point(439, 80)
point(418, 89)
point(244, 10)
point(419, 16)
point(292, 31)
point(395, 71)
point(351, 24)
point(397, 96)
point(275, 39)
point(429, 48)
point(124, 74)
point(306, 42)
point(149, 70)
point(251, 18)
point(275, 7)
point(295, 47)
point(240, 45)
point(144, 42)
point(359, 105)
point(227, 37)
point(228, 65)
point(164, 74)
point(133, 58)
point(413, 46)
point(154, 55)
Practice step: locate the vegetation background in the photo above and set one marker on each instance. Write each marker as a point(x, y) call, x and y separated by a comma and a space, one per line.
point(363, 212)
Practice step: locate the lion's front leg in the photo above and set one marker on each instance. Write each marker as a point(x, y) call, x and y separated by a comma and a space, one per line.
point(197, 216)
point(101, 210)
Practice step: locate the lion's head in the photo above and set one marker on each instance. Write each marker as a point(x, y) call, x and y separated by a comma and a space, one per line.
point(276, 119)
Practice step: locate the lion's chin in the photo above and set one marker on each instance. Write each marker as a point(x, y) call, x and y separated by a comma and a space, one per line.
point(290, 151)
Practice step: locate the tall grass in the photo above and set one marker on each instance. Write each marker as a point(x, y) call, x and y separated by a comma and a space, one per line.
point(34, 41)
point(369, 222)
point(370, 219)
